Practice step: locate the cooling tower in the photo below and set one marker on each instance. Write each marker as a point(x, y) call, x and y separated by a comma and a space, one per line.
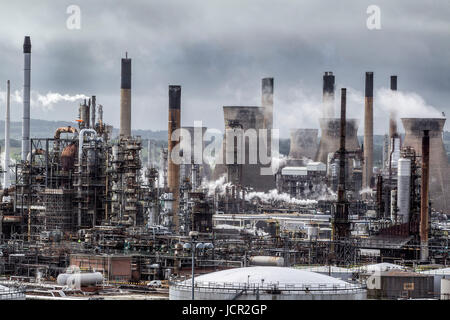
point(244, 118)
point(329, 141)
point(439, 167)
point(304, 143)
point(125, 99)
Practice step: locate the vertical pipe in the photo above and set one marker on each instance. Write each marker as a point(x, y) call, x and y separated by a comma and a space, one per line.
point(424, 196)
point(26, 98)
point(125, 98)
point(6, 180)
point(149, 160)
point(341, 185)
point(368, 131)
point(100, 114)
point(328, 95)
point(173, 168)
point(93, 112)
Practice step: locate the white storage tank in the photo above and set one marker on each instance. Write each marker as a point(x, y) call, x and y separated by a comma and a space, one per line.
point(77, 280)
point(266, 283)
point(403, 189)
point(445, 289)
point(266, 261)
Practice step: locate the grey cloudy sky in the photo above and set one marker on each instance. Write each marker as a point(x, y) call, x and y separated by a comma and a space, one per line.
point(219, 51)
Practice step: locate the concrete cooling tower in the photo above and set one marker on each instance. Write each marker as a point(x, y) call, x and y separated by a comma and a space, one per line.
point(329, 141)
point(439, 167)
point(304, 143)
point(241, 119)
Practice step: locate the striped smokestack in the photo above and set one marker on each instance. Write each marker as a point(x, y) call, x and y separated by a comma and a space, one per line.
point(392, 114)
point(125, 98)
point(26, 98)
point(424, 199)
point(173, 168)
point(368, 131)
point(328, 95)
point(6, 180)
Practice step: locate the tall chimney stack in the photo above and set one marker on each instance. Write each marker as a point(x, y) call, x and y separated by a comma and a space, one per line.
point(424, 199)
point(125, 98)
point(93, 112)
point(392, 114)
point(341, 226)
point(368, 131)
point(173, 168)
point(328, 95)
point(6, 180)
point(26, 98)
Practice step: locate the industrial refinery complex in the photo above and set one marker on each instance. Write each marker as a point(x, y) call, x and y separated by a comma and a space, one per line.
point(94, 213)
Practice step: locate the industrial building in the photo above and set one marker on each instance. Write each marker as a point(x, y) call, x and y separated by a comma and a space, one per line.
point(82, 206)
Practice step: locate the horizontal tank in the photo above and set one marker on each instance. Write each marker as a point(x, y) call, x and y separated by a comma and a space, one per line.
point(266, 261)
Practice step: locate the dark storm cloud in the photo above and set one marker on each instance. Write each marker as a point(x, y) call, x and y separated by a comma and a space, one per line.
point(219, 51)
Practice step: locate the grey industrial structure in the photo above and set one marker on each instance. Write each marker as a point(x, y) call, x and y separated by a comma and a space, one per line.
point(83, 206)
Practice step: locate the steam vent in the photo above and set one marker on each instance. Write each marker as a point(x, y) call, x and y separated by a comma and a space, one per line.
point(439, 167)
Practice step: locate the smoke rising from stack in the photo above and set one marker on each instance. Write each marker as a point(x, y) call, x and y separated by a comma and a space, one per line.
point(26, 98)
point(125, 98)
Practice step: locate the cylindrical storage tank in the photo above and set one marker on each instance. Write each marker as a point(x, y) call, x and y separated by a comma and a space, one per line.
point(62, 278)
point(403, 188)
point(77, 280)
point(445, 289)
point(266, 261)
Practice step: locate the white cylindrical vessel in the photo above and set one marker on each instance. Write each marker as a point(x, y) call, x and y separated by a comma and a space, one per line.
point(445, 289)
point(77, 280)
point(403, 189)
point(266, 261)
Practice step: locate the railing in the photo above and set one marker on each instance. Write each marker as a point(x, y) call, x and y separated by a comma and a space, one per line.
point(276, 288)
point(12, 293)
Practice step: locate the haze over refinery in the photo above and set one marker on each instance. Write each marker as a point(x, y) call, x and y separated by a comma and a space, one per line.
point(217, 50)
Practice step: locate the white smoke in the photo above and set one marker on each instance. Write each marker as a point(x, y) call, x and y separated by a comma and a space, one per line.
point(52, 98)
point(218, 186)
point(273, 195)
point(367, 190)
point(406, 104)
point(42, 101)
